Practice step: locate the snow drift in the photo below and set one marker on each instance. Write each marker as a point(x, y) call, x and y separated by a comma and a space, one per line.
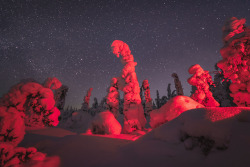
point(172, 109)
point(207, 128)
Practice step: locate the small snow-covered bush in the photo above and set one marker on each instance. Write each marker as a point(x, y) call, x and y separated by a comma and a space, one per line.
point(78, 122)
point(105, 123)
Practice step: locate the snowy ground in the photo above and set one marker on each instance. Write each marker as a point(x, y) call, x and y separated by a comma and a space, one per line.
point(173, 144)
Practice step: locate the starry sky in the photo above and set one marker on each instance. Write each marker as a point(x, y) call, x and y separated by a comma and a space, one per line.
point(71, 40)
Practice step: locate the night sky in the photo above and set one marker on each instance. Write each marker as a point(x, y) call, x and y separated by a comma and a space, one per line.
point(71, 40)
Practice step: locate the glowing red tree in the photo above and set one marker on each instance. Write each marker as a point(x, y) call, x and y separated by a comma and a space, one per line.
point(236, 60)
point(26, 104)
point(133, 110)
point(202, 79)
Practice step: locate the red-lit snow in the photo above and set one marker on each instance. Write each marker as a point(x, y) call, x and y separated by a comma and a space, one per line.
point(172, 109)
point(160, 147)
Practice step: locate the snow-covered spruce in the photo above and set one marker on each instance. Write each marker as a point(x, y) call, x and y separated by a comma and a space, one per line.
point(148, 99)
point(177, 84)
point(26, 104)
point(60, 95)
point(35, 103)
point(112, 97)
point(85, 104)
point(202, 80)
point(236, 60)
point(220, 90)
point(134, 118)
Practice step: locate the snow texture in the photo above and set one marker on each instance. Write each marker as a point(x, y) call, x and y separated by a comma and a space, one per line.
point(105, 123)
point(192, 139)
point(172, 109)
point(25, 157)
point(236, 60)
point(206, 128)
point(202, 80)
point(134, 118)
point(12, 128)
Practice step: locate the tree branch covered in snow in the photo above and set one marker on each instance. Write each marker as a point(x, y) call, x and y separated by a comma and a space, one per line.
point(236, 59)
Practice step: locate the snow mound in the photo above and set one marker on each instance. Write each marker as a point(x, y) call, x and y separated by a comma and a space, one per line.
point(176, 143)
point(207, 128)
point(105, 123)
point(172, 109)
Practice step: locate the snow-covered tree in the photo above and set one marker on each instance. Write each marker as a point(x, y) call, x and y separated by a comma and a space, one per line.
point(202, 80)
point(95, 107)
point(27, 104)
point(236, 60)
point(171, 93)
point(178, 85)
point(157, 100)
point(85, 104)
point(112, 97)
point(220, 89)
point(133, 110)
point(35, 102)
point(148, 99)
point(60, 95)
point(95, 103)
